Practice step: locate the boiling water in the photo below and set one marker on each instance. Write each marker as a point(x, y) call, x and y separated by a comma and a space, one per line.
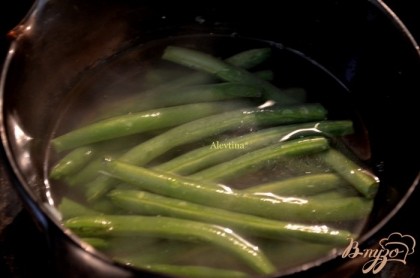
point(113, 86)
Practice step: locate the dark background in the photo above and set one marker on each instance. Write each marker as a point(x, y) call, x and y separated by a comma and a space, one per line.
point(22, 250)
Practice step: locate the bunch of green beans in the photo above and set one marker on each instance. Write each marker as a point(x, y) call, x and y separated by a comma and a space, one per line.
point(193, 167)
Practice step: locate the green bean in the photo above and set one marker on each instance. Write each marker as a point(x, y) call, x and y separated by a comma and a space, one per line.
point(146, 101)
point(267, 75)
point(209, 155)
point(111, 148)
point(151, 204)
point(334, 194)
point(363, 181)
point(173, 228)
point(144, 249)
point(214, 195)
point(98, 187)
point(72, 162)
point(194, 271)
point(225, 71)
point(86, 175)
point(205, 127)
point(250, 58)
point(151, 77)
point(69, 209)
point(305, 185)
point(191, 94)
point(90, 171)
point(153, 250)
point(217, 152)
point(167, 93)
point(216, 124)
point(136, 123)
point(253, 161)
point(290, 254)
point(206, 93)
point(172, 252)
point(96, 242)
point(76, 161)
point(104, 206)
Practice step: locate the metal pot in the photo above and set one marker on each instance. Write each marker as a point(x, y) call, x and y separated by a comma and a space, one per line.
point(372, 54)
